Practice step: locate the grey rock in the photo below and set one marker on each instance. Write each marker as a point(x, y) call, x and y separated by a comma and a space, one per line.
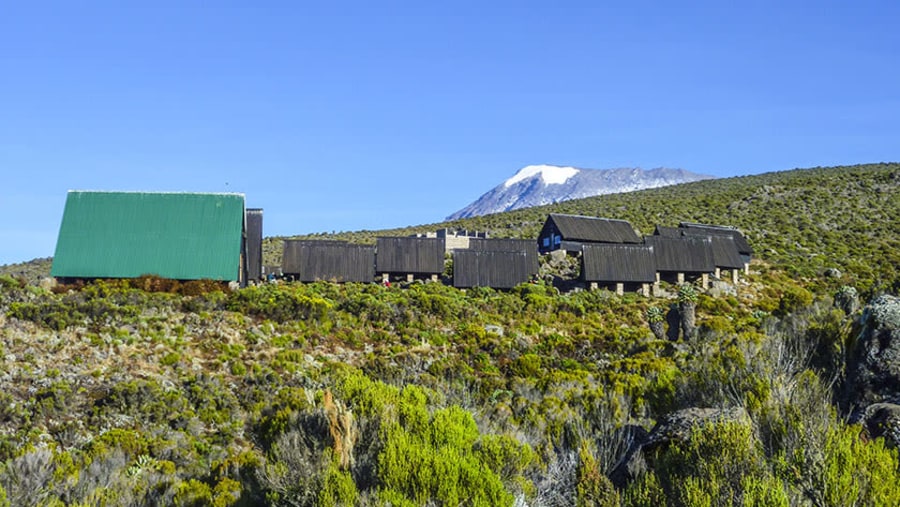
point(874, 364)
point(719, 288)
point(675, 427)
point(881, 420)
point(497, 330)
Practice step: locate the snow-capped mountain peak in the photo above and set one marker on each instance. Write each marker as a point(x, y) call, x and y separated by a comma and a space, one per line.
point(550, 174)
point(535, 185)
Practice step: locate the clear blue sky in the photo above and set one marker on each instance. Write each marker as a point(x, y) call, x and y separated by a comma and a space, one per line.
point(366, 115)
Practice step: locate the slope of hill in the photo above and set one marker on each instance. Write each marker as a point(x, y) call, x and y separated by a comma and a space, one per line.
point(807, 220)
point(536, 185)
point(152, 392)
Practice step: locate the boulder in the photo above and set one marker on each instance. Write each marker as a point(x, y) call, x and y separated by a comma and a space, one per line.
point(874, 362)
point(675, 427)
point(881, 420)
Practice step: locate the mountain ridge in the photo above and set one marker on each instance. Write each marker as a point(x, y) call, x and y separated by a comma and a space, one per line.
point(538, 185)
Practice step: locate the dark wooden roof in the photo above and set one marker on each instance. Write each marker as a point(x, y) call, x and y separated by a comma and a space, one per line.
point(593, 229)
point(691, 229)
point(725, 253)
point(668, 232)
point(618, 263)
point(410, 255)
point(687, 254)
point(488, 268)
point(528, 246)
point(338, 261)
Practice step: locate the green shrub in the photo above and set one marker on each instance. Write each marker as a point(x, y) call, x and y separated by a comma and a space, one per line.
point(793, 299)
point(338, 489)
point(858, 472)
point(717, 465)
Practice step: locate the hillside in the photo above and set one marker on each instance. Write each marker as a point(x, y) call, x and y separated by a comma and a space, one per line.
point(152, 392)
point(804, 220)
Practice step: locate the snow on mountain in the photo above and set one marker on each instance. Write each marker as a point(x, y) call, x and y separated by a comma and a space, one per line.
point(549, 174)
point(536, 185)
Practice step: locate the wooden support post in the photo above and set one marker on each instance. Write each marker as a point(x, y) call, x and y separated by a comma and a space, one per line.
point(434, 278)
point(747, 268)
point(385, 278)
point(705, 280)
point(657, 278)
point(719, 273)
point(592, 286)
point(410, 277)
point(680, 278)
point(645, 289)
point(620, 289)
point(734, 276)
point(655, 291)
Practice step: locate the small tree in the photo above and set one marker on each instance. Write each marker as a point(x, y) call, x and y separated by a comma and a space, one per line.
point(656, 318)
point(687, 304)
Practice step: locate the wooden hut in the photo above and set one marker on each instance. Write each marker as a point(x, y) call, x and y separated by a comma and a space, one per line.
point(526, 246)
point(570, 232)
point(619, 266)
point(681, 257)
point(740, 241)
point(409, 257)
point(726, 253)
point(727, 256)
point(491, 268)
point(336, 261)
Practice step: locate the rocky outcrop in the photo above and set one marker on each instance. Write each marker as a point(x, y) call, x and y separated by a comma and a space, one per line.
point(874, 364)
point(881, 420)
point(675, 427)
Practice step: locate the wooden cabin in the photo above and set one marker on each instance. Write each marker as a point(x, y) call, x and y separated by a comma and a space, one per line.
point(412, 258)
point(334, 261)
point(740, 241)
point(526, 246)
point(726, 253)
point(491, 268)
point(620, 267)
point(570, 232)
point(681, 258)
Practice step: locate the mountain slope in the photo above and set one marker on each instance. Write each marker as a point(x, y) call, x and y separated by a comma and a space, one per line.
point(361, 394)
point(536, 185)
point(805, 220)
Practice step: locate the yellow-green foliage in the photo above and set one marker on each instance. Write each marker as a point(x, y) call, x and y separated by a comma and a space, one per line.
point(857, 472)
point(338, 490)
point(720, 464)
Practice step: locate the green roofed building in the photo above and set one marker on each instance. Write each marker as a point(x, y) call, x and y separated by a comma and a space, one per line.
point(183, 236)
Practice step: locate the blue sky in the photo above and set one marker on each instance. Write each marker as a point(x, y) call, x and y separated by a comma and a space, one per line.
point(367, 115)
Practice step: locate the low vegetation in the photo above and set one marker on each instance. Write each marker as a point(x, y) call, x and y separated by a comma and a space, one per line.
point(149, 392)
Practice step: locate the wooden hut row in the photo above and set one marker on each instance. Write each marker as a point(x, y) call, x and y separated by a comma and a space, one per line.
point(501, 263)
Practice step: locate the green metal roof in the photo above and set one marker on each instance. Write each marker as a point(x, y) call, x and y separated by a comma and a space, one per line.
point(185, 236)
